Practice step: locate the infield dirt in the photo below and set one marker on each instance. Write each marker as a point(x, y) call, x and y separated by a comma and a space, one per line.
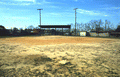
point(41, 56)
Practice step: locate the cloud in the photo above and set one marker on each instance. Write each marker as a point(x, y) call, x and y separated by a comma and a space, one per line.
point(83, 1)
point(82, 11)
point(105, 15)
point(44, 1)
point(54, 7)
point(111, 8)
point(55, 14)
point(34, 1)
point(16, 17)
point(76, 0)
point(16, 3)
point(112, 11)
point(87, 12)
point(26, 0)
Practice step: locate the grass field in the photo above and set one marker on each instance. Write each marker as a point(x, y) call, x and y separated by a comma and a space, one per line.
point(59, 56)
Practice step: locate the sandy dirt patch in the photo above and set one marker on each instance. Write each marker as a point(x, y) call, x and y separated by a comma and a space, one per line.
point(52, 40)
point(59, 56)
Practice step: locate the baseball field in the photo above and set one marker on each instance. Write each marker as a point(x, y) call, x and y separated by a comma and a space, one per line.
point(59, 56)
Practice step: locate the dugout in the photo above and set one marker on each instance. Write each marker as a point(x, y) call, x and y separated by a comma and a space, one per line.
point(54, 32)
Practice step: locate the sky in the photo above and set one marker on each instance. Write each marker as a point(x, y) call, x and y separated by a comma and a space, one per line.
point(23, 13)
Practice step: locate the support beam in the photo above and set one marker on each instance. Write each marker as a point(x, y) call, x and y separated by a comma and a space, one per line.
point(69, 31)
point(55, 31)
point(62, 31)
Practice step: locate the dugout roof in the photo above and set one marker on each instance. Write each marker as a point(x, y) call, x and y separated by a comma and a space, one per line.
point(55, 26)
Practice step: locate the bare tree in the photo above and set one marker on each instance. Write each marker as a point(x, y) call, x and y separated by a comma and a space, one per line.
point(105, 24)
point(31, 27)
point(88, 27)
point(112, 27)
point(95, 24)
point(118, 28)
point(81, 26)
point(36, 27)
point(100, 25)
point(15, 31)
point(92, 24)
point(109, 26)
point(85, 25)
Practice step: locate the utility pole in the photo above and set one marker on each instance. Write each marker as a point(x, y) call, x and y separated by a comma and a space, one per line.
point(75, 20)
point(40, 15)
point(99, 25)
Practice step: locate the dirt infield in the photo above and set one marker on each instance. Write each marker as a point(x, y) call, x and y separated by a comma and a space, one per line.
point(59, 56)
point(48, 40)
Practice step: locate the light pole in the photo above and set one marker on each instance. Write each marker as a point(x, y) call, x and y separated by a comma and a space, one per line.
point(75, 20)
point(105, 24)
point(40, 15)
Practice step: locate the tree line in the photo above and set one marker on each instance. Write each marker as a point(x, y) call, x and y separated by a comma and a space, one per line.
point(93, 25)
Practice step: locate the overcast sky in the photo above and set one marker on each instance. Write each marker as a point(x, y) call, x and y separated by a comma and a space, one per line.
point(22, 13)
